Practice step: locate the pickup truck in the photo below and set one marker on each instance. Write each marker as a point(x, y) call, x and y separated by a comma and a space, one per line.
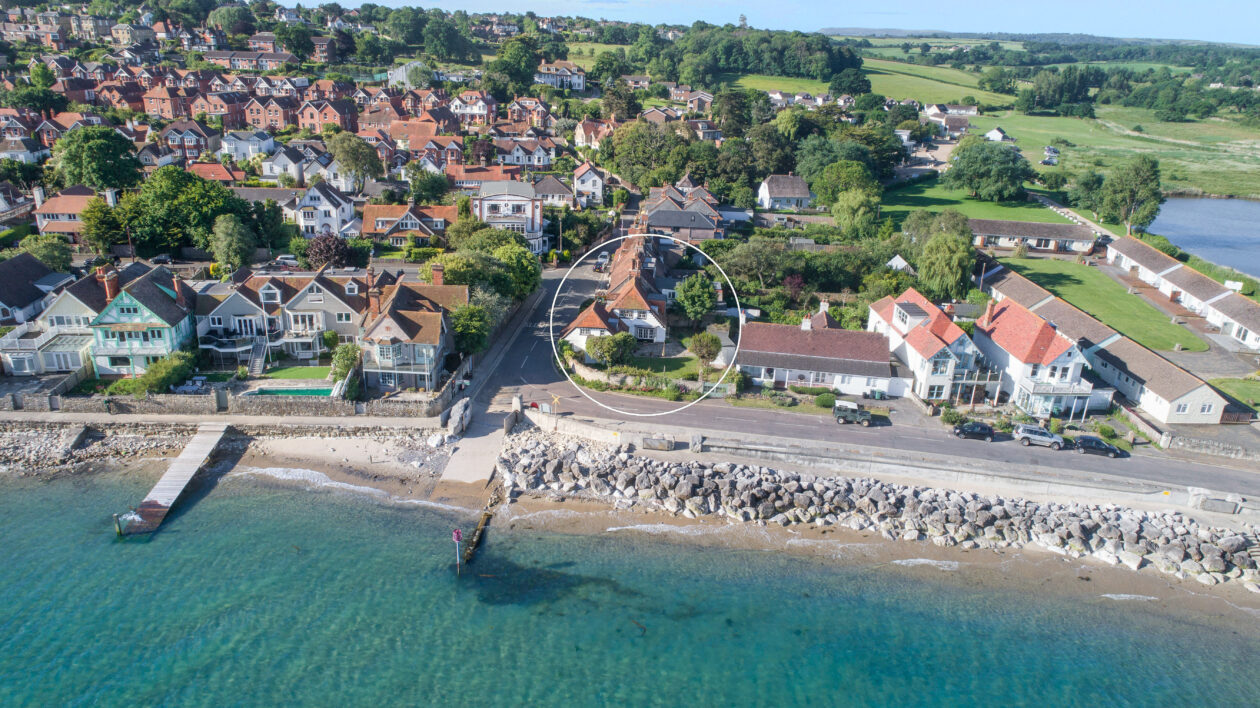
point(850, 412)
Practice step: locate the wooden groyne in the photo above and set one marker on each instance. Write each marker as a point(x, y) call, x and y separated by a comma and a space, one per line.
point(471, 549)
point(153, 510)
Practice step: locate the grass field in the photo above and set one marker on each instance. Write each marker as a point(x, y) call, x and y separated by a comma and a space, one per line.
point(1106, 300)
point(1217, 156)
point(898, 203)
point(297, 372)
point(589, 52)
point(927, 84)
point(1246, 391)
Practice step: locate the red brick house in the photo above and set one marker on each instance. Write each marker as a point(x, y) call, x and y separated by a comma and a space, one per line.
point(167, 103)
point(271, 113)
point(314, 115)
point(229, 106)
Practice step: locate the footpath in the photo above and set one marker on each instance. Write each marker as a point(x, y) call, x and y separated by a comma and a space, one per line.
point(238, 421)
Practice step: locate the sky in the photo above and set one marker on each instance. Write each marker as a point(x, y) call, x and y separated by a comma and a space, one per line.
point(1210, 20)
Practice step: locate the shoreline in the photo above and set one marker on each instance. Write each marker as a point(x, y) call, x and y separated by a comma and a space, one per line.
point(384, 471)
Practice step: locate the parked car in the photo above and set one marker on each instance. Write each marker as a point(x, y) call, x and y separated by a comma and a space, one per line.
point(1034, 435)
point(602, 258)
point(974, 430)
point(161, 259)
point(97, 261)
point(1090, 445)
point(850, 412)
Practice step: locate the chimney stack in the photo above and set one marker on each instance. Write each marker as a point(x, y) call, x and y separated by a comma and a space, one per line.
point(806, 324)
point(374, 300)
point(823, 307)
point(438, 269)
point(988, 314)
point(38, 193)
point(179, 292)
point(108, 278)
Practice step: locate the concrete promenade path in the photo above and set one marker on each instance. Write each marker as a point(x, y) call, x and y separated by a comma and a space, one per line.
point(315, 421)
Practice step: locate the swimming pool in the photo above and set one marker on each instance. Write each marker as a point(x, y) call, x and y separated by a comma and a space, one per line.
point(291, 392)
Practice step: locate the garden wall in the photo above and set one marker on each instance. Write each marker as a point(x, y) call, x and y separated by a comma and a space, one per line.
point(290, 406)
point(168, 404)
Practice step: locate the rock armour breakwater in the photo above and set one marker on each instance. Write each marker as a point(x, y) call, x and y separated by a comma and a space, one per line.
point(538, 463)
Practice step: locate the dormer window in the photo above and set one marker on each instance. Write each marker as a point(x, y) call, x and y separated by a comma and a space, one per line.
point(269, 294)
point(352, 288)
point(315, 294)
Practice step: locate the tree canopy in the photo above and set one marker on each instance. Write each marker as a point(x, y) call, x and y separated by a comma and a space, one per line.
point(1131, 194)
point(96, 156)
point(990, 171)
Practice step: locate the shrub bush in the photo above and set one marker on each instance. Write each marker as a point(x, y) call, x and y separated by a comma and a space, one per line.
point(344, 358)
point(1056, 426)
point(423, 254)
point(1107, 431)
point(949, 416)
point(242, 372)
point(330, 339)
point(782, 400)
point(825, 400)
point(809, 390)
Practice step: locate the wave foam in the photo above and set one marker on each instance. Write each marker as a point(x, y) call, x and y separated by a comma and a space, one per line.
point(660, 529)
point(835, 549)
point(913, 562)
point(319, 480)
point(1125, 596)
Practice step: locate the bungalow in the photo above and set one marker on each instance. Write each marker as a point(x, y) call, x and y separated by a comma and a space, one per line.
point(1238, 317)
point(1141, 260)
point(553, 192)
point(145, 320)
point(848, 362)
point(997, 135)
point(784, 192)
point(1036, 237)
point(216, 172)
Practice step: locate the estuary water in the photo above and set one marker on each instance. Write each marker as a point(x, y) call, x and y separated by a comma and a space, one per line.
point(255, 594)
point(1224, 231)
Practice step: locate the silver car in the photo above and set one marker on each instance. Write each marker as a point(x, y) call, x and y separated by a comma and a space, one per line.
point(1034, 435)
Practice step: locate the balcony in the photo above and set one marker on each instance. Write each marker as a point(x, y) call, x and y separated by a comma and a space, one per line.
point(26, 336)
point(137, 348)
point(1046, 388)
point(401, 367)
point(224, 343)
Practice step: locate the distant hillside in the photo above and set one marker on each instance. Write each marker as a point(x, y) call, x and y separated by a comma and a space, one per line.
point(1059, 38)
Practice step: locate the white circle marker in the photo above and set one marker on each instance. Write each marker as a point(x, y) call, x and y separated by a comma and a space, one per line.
point(551, 329)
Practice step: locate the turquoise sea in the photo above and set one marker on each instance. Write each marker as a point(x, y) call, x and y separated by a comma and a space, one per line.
point(255, 594)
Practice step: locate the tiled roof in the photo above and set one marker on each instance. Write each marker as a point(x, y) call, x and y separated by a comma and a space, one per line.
point(838, 351)
point(1022, 334)
point(1153, 371)
point(1143, 254)
point(17, 280)
point(1029, 229)
point(1240, 309)
point(1013, 286)
point(787, 187)
point(595, 316)
point(1074, 324)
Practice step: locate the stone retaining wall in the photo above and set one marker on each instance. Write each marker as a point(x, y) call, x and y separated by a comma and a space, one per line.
point(1202, 446)
point(158, 404)
point(289, 405)
point(633, 380)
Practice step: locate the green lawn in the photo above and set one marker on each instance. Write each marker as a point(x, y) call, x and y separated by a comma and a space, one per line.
point(1246, 391)
point(804, 407)
point(1216, 156)
point(298, 372)
point(1107, 301)
point(899, 202)
point(671, 366)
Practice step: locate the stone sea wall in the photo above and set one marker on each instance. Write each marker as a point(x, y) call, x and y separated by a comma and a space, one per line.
point(542, 463)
